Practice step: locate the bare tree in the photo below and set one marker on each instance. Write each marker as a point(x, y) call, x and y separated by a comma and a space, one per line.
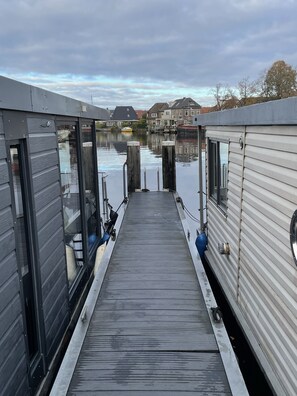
point(217, 93)
point(225, 97)
point(249, 91)
point(280, 81)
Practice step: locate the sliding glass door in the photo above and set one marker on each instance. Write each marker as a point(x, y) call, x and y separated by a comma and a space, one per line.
point(70, 185)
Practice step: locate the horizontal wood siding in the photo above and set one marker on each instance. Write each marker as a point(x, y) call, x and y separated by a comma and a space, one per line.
point(259, 227)
point(12, 343)
point(43, 148)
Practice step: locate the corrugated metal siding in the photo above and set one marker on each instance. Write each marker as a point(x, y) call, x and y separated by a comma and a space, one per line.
point(12, 344)
point(47, 199)
point(227, 228)
point(267, 284)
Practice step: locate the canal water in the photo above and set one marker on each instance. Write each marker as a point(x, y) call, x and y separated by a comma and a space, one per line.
point(112, 154)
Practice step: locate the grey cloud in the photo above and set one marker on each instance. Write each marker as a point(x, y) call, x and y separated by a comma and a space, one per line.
point(188, 43)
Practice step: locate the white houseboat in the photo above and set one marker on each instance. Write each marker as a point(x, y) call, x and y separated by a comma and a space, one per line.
point(251, 179)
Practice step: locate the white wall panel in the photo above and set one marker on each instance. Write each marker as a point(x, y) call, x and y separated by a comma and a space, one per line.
point(262, 197)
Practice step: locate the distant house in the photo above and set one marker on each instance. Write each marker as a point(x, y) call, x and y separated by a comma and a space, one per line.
point(155, 116)
point(168, 116)
point(122, 114)
point(183, 110)
point(207, 109)
point(140, 113)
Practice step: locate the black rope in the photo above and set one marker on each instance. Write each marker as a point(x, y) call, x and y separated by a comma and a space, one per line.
point(190, 215)
point(125, 200)
point(179, 199)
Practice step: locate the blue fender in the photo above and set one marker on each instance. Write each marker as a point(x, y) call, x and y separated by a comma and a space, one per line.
point(92, 239)
point(201, 243)
point(104, 239)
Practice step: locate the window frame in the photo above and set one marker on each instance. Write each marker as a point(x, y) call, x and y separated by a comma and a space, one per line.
point(35, 361)
point(293, 236)
point(89, 254)
point(74, 283)
point(214, 174)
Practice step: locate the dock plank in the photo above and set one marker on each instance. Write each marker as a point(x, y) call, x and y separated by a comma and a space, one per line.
point(148, 304)
point(150, 332)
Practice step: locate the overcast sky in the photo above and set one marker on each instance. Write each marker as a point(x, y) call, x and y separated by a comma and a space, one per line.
point(138, 52)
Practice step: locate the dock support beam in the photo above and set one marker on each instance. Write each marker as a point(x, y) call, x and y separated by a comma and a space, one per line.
point(168, 165)
point(133, 166)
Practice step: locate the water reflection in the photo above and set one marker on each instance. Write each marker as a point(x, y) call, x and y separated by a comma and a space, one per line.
point(112, 150)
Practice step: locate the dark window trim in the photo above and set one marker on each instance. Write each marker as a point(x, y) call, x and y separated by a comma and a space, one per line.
point(75, 290)
point(92, 122)
point(38, 366)
point(89, 256)
point(82, 192)
point(94, 141)
point(293, 236)
point(82, 121)
point(215, 173)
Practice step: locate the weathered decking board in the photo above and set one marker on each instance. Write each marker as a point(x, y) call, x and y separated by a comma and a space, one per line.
point(150, 332)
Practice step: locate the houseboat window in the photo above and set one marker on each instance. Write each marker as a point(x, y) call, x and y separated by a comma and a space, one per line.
point(293, 235)
point(213, 174)
point(67, 139)
point(218, 173)
point(90, 185)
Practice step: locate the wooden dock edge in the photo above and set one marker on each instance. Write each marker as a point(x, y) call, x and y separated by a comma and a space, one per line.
point(66, 370)
point(233, 373)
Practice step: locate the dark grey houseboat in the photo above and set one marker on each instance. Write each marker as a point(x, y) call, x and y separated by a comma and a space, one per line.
point(49, 217)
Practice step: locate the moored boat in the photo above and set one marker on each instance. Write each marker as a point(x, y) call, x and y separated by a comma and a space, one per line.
point(127, 131)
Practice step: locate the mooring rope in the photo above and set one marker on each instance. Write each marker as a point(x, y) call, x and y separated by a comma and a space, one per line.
point(179, 199)
point(190, 215)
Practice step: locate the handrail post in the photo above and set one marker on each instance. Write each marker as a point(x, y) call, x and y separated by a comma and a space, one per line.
point(168, 165)
point(124, 180)
point(133, 166)
point(144, 178)
point(104, 196)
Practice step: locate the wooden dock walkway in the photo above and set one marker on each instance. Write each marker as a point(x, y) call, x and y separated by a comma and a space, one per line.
point(150, 331)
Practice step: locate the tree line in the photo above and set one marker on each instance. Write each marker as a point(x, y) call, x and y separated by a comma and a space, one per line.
point(278, 82)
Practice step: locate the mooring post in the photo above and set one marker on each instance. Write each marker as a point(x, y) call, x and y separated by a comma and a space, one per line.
point(133, 166)
point(168, 165)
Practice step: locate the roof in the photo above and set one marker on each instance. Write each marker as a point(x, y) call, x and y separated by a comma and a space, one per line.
point(124, 113)
point(15, 95)
point(140, 113)
point(161, 106)
point(184, 103)
point(207, 109)
point(277, 112)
